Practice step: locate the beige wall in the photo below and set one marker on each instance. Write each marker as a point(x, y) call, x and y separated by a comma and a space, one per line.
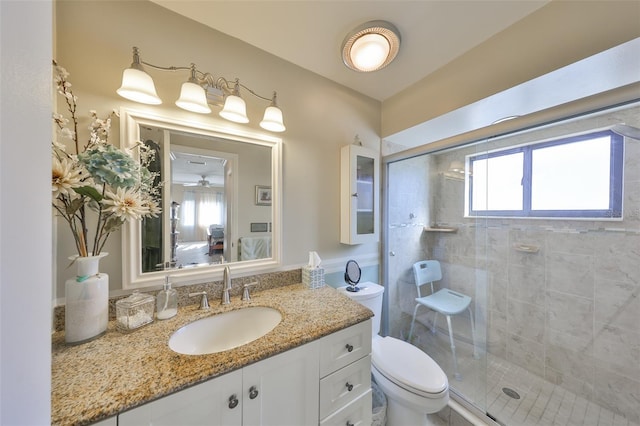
point(94, 41)
point(558, 34)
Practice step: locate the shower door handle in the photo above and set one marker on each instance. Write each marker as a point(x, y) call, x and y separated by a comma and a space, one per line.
point(392, 253)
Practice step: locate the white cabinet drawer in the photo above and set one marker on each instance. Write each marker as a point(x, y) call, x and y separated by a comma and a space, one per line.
point(357, 413)
point(345, 385)
point(344, 347)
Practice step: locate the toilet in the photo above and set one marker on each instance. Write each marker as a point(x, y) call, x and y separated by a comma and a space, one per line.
point(413, 383)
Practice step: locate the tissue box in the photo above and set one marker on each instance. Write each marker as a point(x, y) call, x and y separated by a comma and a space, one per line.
point(313, 277)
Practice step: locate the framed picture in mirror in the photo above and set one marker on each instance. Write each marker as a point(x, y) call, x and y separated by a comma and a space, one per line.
point(263, 195)
point(259, 227)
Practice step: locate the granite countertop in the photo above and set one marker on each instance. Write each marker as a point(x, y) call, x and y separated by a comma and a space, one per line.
point(117, 372)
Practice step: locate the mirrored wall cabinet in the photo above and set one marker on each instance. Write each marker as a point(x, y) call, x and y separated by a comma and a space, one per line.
point(359, 189)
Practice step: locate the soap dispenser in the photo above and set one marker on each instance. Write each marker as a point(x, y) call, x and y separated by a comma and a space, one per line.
point(167, 301)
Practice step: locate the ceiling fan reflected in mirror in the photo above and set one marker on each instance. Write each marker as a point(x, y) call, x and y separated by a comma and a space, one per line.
point(191, 169)
point(202, 182)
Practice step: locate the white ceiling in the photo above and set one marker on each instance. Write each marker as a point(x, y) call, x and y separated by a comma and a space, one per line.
point(310, 33)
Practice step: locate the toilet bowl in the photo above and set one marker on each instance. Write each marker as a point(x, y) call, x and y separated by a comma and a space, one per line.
point(413, 383)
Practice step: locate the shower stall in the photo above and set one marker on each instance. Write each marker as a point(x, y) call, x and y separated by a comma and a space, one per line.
point(541, 228)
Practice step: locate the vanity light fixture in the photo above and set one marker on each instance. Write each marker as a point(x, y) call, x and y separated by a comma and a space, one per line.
point(371, 46)
point(137, 85)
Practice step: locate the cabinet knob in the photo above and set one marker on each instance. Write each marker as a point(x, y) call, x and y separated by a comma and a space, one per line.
point(253, 392)
point(349, 347)
point(233, 401)
point(349, 386)
point(349, 423)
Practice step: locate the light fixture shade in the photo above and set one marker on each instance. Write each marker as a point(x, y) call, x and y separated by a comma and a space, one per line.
point(138, 86)
point(235, 109)
point(272, 120)
point(193, 98)
point(371, 46)
point(369, 52)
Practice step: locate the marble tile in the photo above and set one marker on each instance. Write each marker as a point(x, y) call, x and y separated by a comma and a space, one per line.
point(631, 205)
point(571, 273)
point(581, 386)
point(526, 352)
point(497, 341)
point(617, 304)
point(574, 243)
point(618, 349)
point(569, 363)
point(569, 341)
point(497, 295)
point(570, 314)
point(617, 393)
point(618, 259)
point(527, 284)
point(526, 320)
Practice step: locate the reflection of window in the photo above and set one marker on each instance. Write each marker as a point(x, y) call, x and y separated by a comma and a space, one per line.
point(574, 177)
point(198, 210)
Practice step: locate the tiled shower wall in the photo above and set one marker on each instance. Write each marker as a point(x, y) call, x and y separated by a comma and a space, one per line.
point(569, 309)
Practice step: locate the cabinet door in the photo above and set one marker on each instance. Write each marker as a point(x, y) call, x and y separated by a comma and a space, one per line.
point(283, 390)
point(209, 403)
point(359, 195)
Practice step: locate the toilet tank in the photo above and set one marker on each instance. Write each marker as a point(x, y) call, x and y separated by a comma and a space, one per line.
point(370, 295)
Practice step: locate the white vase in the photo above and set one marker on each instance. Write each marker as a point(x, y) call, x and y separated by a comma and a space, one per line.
point(87, 301)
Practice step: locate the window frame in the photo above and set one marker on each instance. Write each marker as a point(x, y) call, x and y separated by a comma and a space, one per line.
point(616, 174)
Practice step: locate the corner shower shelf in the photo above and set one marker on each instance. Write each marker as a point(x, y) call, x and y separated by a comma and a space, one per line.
point(440, 229)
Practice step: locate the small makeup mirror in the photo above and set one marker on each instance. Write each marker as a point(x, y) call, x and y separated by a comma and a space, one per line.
point(352, 275)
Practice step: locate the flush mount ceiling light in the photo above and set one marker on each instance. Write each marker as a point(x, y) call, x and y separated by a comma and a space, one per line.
point(138, 86)
point(371, 46)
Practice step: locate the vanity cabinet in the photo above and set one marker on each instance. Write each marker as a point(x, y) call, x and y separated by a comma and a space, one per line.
point(359, 192)
point(281, 390)
point(326, 382)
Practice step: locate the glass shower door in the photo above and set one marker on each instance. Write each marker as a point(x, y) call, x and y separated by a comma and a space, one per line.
point(419, 193)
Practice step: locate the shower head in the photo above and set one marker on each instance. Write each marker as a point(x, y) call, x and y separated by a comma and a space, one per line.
point(627, 131)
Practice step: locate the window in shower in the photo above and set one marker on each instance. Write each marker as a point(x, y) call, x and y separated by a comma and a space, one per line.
point(579, 176)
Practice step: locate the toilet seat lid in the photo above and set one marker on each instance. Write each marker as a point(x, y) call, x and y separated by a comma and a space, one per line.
point(407, 366)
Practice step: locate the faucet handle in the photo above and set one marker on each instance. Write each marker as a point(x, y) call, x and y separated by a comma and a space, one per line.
point(204, 302)
point(245, 291)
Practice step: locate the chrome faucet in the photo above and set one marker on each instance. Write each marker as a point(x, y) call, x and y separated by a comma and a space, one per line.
point(226, 286)
point(204, 302)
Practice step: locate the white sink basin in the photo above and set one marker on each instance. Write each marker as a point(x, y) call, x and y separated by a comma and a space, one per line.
point(224, 331)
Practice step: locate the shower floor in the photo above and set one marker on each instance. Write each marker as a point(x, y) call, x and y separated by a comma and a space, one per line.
point(541, 402)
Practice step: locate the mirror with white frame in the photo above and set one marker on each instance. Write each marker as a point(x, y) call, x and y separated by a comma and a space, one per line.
point(220, 202)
